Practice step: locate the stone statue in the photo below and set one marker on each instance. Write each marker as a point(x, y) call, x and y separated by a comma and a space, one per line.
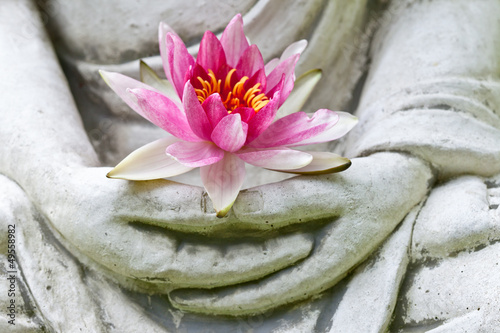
point(404, 240)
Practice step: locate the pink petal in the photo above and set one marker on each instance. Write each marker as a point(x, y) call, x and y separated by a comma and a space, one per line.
point(164, 113)
point(292, 49)
point(223, 181)
point(279, 158)
point(214, 109)
point(163, 29)
point(119, 83)
point(233, 41)
point(345, 123)
point(175, 57)
point(297, 128)
point(230, 133)
point(149, 77)
point(302, 89)
point(263, 118)
point(195, 113)
point(258, 77)
point(286, 68)
point(195, 154)
point(246, 113)
point(149, 162)
point(211, 54)
point(250, 62)
point(322, 163)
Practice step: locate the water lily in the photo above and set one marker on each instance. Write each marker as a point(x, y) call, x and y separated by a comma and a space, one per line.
point(224, 109)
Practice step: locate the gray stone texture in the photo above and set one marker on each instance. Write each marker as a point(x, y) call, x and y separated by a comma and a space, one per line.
point(406, 240)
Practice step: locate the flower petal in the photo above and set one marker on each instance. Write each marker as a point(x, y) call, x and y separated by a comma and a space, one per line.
point(164, 113)
point(250, 62)
point(211, 54)
point(223, 181)
point(302, 89)
point(195, 113)
point(263, 118)
point(322, 163)
point(233, 41)
point(195, 154)
point(175, 57)
point(279, 158)
point(258, 77)
point(295, 48)
point(214, 109)
point(163, 30)
point(292, 49)
point(345, 123)
point(246, 113)
point(285, 68)
point(119, 83)
point(149, 77)
point(230, 133)
point(298, 129)
point(149, 162)
point(271, 65)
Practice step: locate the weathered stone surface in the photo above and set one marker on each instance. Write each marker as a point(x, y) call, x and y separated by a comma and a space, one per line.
point(373, 288)
point(456, 216)
point(108, 256)
point(464, 287)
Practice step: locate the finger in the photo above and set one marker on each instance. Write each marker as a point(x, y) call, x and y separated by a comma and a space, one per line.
point(459, 214)
point(159, 255)
point(342, 245)
point(374, 285)
point(293, 201)
point(302, 199)
point(164, 259)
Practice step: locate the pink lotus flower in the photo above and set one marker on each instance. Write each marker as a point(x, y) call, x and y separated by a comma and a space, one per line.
point(222, 110)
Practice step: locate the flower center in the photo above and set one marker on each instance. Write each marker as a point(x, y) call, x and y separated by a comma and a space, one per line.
point(233, 96)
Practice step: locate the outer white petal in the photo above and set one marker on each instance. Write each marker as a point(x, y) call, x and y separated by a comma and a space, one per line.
point(149, 162)
point(223, 181)
point(302, 89)
point(268, 68)
point(276, 158)
point(322, 163)
point(294, 48)
point(149, 77)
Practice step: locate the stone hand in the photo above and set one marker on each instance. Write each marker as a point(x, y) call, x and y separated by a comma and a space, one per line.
point(360, 213)
point(110, 222)
point(48, 154)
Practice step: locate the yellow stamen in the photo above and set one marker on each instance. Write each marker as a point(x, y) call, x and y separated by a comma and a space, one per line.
point(236, 97)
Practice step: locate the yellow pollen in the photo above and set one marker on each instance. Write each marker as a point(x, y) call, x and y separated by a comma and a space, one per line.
point(233, 96)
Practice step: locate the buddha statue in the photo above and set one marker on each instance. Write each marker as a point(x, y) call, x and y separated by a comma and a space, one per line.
point(404, 240)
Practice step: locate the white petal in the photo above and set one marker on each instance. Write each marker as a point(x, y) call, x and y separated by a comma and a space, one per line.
point(279, 158)
point(149, 162)
point(223, 181)
point(322, 163)
point(294, 48)
point(302, 89)
point(149, 77)
point(268, 68)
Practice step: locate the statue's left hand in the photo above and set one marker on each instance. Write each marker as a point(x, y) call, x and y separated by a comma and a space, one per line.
point(360, 206)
